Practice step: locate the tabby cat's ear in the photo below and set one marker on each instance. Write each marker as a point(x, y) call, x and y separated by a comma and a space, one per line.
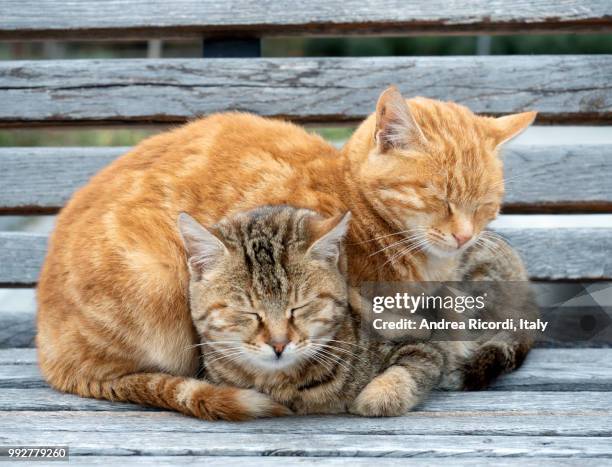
point(329, 234)
point(395, 125)
point(507, 127)
point(203, 248)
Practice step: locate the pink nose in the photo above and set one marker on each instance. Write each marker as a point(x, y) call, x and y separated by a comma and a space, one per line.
point(279, 347)
point(462, 239)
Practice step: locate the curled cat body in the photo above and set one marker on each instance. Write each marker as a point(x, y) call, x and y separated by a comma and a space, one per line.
point(422, 178)
point(271, 306)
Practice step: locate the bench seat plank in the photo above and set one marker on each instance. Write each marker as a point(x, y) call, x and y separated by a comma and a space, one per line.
point(564, 253)
point(559, 423)
point(508, 402)
point(574, 88)
point(264, 461)
point(316, 445)
point(43, 19)
point(540, 177)
point(545, 370)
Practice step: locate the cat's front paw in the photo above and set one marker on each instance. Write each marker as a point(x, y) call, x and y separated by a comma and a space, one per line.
point(390, 394)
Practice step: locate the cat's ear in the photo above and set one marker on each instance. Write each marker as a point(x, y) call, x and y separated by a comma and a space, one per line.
point(203, 248)
point(395, 125)
point(329, 234)
point(507, 127)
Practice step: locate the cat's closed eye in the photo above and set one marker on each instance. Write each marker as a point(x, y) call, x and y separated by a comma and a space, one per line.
point(298, 309)
point(257, 316)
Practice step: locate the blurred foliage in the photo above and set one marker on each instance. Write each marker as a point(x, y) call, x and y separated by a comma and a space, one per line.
point(334, 134)
point(273, 47)
point(78, 137)
point(445, 45)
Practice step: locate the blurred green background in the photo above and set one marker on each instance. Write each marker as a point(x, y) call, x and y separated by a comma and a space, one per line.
point(273, 47)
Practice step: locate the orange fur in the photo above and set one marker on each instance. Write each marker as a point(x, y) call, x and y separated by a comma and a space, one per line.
point(113, 289)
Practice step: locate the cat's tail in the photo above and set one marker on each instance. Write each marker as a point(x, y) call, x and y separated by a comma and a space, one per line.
point(492, 359)
point(186, 395)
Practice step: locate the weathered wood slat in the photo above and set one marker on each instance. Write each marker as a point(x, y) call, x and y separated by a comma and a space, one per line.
point(540, 177)
point(500, 402)
point(21, 256)
point(17, 328)
point(317, 445)
point(264, 461)
point(564, 253)
point(141, 18)
point(417, 423)
point(43, 179)
point(556, 178)
point(545, 370)
point(574, 87)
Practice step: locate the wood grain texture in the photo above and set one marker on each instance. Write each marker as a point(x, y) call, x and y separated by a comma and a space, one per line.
point(545, 370)
point(573, 88)
point(550, 254)
point(317, 445)
point(143, 18)
point(38, 180)
point(17, 329)
point(21, 256)
point(264, 461)
point(558, 178)
point(475, 403)
point(563, 253)
point(559, 423)
point(542, 178)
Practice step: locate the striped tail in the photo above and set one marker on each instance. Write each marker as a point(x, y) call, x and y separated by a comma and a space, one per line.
point(186, 395)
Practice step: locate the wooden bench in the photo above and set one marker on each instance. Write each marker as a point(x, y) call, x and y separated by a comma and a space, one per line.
point(558, 407)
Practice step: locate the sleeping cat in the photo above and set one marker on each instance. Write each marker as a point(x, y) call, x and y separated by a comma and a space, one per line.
point(270, 303)
point(421, 178)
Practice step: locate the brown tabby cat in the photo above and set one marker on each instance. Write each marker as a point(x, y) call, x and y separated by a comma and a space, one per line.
point(269, 302)
point(421, 177)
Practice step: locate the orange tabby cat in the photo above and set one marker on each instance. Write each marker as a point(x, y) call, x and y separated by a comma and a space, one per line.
point(114, 319)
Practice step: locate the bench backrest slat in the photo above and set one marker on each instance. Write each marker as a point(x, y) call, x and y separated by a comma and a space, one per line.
point(573, 88)
point(43, 19)
point(541, 178)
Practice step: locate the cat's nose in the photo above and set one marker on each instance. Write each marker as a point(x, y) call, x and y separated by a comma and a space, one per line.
point(279, 347)
point(462, 238)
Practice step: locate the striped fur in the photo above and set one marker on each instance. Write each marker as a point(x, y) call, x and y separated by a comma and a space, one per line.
point(268, 287)
point(113, 292)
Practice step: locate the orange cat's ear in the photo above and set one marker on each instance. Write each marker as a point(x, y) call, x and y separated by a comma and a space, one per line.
point(203, 248)
point(507, 127)
point(395, 125)
point(329, 234)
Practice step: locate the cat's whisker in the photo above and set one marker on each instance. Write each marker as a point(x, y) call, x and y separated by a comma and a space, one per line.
point(316, 357)
point(339, 349)
point(492, 242)
point(400, 232)
point(201, 344)
point(400, 242)
point(341, 342)
point(333, 359)
point(233, 356)
point(413, 248)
